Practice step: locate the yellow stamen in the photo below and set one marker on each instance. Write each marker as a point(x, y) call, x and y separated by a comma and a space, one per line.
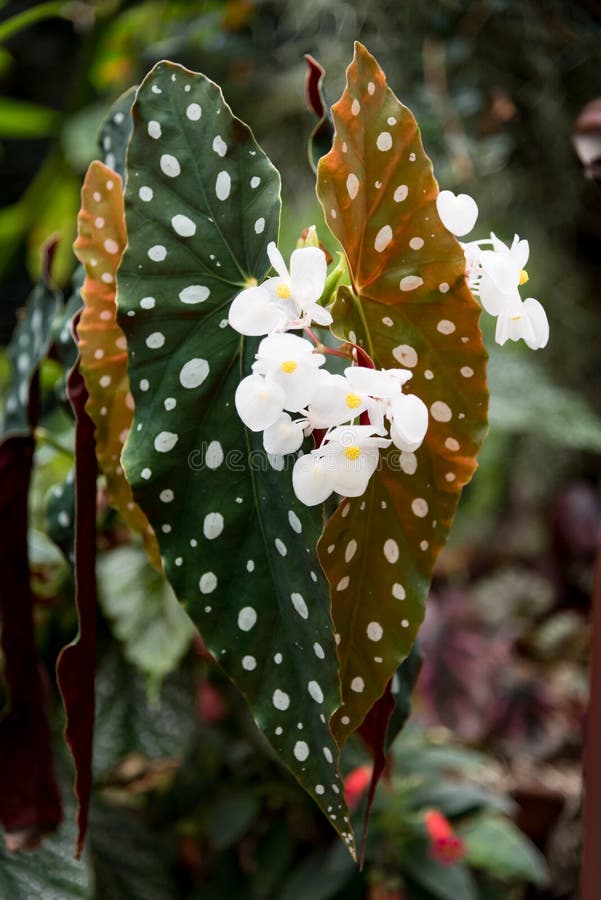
point(515, 318)
point(283, 291)
point(288, 366)
point(524, 277)
point(353, 401)
point(352, 452)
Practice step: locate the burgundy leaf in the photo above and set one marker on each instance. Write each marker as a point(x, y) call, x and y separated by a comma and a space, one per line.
point(321, 137)
point(373, 730)
point(77, 662)
point(30, 804)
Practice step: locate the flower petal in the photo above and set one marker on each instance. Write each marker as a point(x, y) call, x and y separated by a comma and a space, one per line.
point(458, 213)
point(374, 382)
point(277, 261)
point(330, 403)
point(253, 312)
point(409, 421)
point(284, 436)
point(311, 479)
point(308, 269)
point(298, 386)
point(492, 299)
point(258, 403)
point(539, 322)
point(502, 268)
point(351, 476)
point(318, 314)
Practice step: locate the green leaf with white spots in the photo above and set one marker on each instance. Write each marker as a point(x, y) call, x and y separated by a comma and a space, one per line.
point(60, 515)
point(65, 346)
point(408, 305)
point(202, 203)
point(115, 131)
point(28, 348)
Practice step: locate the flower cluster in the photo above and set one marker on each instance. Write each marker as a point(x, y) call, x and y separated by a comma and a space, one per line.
point(495, 274)
point(359, 412)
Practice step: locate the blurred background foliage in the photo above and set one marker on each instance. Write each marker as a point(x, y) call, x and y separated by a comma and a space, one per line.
point(200, 807)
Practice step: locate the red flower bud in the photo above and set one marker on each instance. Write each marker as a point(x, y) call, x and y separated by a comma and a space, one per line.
point(445, 846)
point(355, 785)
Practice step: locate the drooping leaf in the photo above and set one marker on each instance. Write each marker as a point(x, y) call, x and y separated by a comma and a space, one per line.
point(30, 804)
point(154, 629)
point(385, 720)
point(320, 139)
point(76, 664)
point(408, 306)
point(64, 346)
point(49, 872)
point(60, 515)
point(115, 132)
point(102, 346)
point(27, 349)
point(127, 722)
point(202, 203)
point(402, 687)
point(497, 846)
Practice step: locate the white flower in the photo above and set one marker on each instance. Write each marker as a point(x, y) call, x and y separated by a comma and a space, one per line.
point(303, 285)
point(312, 479)
point(524, 319)
point(287, 301)
point(289, 362)
point(408, 421)
point(338, 399)
point(259, 403)
point(344, 463)
point(352, 453)
point(256, 311)
point(502, 272)
point(284, 436)
point(458, 212)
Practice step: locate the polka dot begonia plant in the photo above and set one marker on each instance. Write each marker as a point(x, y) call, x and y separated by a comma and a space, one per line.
point(236, 393)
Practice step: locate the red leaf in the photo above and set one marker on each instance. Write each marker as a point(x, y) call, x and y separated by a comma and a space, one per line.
point(30, 804)
point(373, 731)
point(77, 662)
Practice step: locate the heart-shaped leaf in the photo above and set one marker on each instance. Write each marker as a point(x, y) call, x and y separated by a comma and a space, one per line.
point(202, 203)
point(408, 306)
point(99, 246)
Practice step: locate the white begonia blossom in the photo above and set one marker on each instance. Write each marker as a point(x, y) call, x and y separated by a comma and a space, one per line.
point(525, 319)
point(285, 301)
point(352, 453)
point(458, 212)
point(312, 479)
point(284, 436)
point(303, 285)
point(289, 362)
point(256, 311)
point(259, 403)
point(408, 417)
point(502, 272)
point(344, 463)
